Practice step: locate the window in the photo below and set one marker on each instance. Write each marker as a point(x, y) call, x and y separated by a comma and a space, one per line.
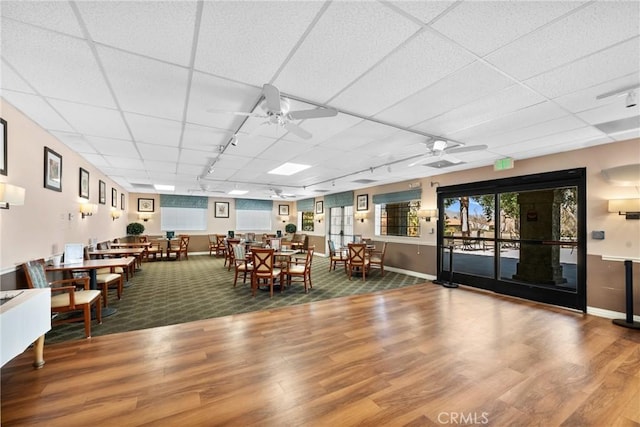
point(186, 219)
point(397, 219)
point(306, 221)
point(253, 220)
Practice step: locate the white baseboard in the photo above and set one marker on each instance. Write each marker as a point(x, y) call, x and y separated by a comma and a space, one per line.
point(609, 314)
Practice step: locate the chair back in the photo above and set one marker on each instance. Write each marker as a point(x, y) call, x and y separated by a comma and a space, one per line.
point(220, 239)
point(332, 247)
point(238, 252)
point(35, 274)
point(250, 237)
point(275, 243)
point(263, 260)
point(213, 239)
point(357, 238)
point(143, 239)
point(357, 254)
point(383, 251)
point(184, 242)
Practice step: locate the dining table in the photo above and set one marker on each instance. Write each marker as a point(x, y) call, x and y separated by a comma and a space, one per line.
point(138, 253)
point(91, 266)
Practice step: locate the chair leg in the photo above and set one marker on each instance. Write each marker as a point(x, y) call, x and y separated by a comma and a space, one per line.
point(87, 319)
point(98, 312)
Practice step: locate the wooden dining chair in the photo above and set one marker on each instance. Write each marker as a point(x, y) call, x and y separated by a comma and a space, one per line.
point(67, 295)
point(376, 259)
point(263, 269)
point(109, 278)
point(358, 259)
point(299, 270)
point(220, 246)
point(336, 257)
point(182, 248)
point(240, 262)
point(228, 252)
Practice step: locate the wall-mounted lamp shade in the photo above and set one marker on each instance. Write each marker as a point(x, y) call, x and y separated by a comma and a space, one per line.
point(11, 195)
point(427, 214)
point(145, 216)
point(625, 176)
point(628, 207)
point(115, 214)
point(88, 209)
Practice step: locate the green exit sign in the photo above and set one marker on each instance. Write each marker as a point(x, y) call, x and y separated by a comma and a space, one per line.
point(502, 164)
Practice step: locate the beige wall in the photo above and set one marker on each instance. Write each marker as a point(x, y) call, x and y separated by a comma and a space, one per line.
point(42, 226)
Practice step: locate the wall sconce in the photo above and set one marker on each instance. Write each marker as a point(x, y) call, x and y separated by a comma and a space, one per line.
point(361, 216)
point(143, 216)
point(115, 214)
point(284, 218)
point(88, 209)
point(319, 217)
point(11, 195)
point(630, 208)
point(427, 214)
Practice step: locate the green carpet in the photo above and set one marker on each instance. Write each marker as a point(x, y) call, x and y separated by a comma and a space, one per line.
point(171, 292)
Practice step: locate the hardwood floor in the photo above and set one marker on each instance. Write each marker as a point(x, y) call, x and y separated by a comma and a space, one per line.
point(422, 355)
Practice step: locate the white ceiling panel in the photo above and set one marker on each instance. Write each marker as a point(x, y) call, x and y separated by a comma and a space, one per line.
point(179, 70)
point(458, 89)
point(596, 26)
point(258, 38)
point(162, 30)
point(52, 15)
point(141, 85)
point(91, 120)
point(422, 61)
point(40, 111)
point(472, 24)
point(208, 92)
point(613, 63)
point(489, 108)
point(36, 55)
point(154, 130)
point(114, 147)
point(356, 35)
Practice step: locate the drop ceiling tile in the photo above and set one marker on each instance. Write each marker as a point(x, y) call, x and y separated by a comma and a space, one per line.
point(113, 147)
point(124, 162)
point(39, 111)
point(142, 85)
point(424, 11)
point(35, 55)
point(196, 157)
point(579, 34)
point(253, 41)
point(158, 29)
point(456, 90)
point(474, 24)
point(91, 120)
point(166, 166)
point(96, 160)
point(613, 63)
point(609, 113)
point(355, 36)
point(204, 137)
point(585, 99)
point(483, 110)
point(52, 15)
point(528, 133)
point(563, 139)
point(482, 134)
point(76, 142)
point(407, 70)
point(157, 152)
point(154, 130)
point(634, 133)
point(12, 81)
point(208, 92)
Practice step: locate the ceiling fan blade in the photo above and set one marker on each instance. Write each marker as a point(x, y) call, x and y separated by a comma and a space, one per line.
point(466, 149)
point(312, 114)
point(272, 98)
point(297, 130)
point(235, 113)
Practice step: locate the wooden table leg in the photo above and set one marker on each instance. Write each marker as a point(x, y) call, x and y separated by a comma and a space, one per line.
point(38, 352)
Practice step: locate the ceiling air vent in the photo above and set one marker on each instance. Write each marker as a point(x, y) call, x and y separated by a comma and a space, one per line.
point(364, 181)
point(440, 164)
point(621, 125)
point(143, 186)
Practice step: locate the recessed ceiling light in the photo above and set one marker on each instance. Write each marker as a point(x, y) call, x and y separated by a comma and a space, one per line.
point(237, 192)
point(162, 187)
point(289, 169)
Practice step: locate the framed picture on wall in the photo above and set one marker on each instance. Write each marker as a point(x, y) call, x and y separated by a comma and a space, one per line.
point(146, 205)
point(52, 170)
point(283, 210)
point(319, 207)
point(221, 210)
point(121, 201)
point(102, 192)
point(363, 202)
point(83, 189)
point(3, 147)
point(114, 198)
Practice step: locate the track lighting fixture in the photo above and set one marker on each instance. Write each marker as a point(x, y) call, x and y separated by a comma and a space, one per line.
point(631, 100)
point(234, 140)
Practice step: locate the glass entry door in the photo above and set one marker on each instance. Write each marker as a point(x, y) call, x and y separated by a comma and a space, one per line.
point(522, 238)
point(341, 225)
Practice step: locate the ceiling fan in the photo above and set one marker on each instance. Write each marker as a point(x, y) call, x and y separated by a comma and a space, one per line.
point(277, 112)
point(441, 147)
